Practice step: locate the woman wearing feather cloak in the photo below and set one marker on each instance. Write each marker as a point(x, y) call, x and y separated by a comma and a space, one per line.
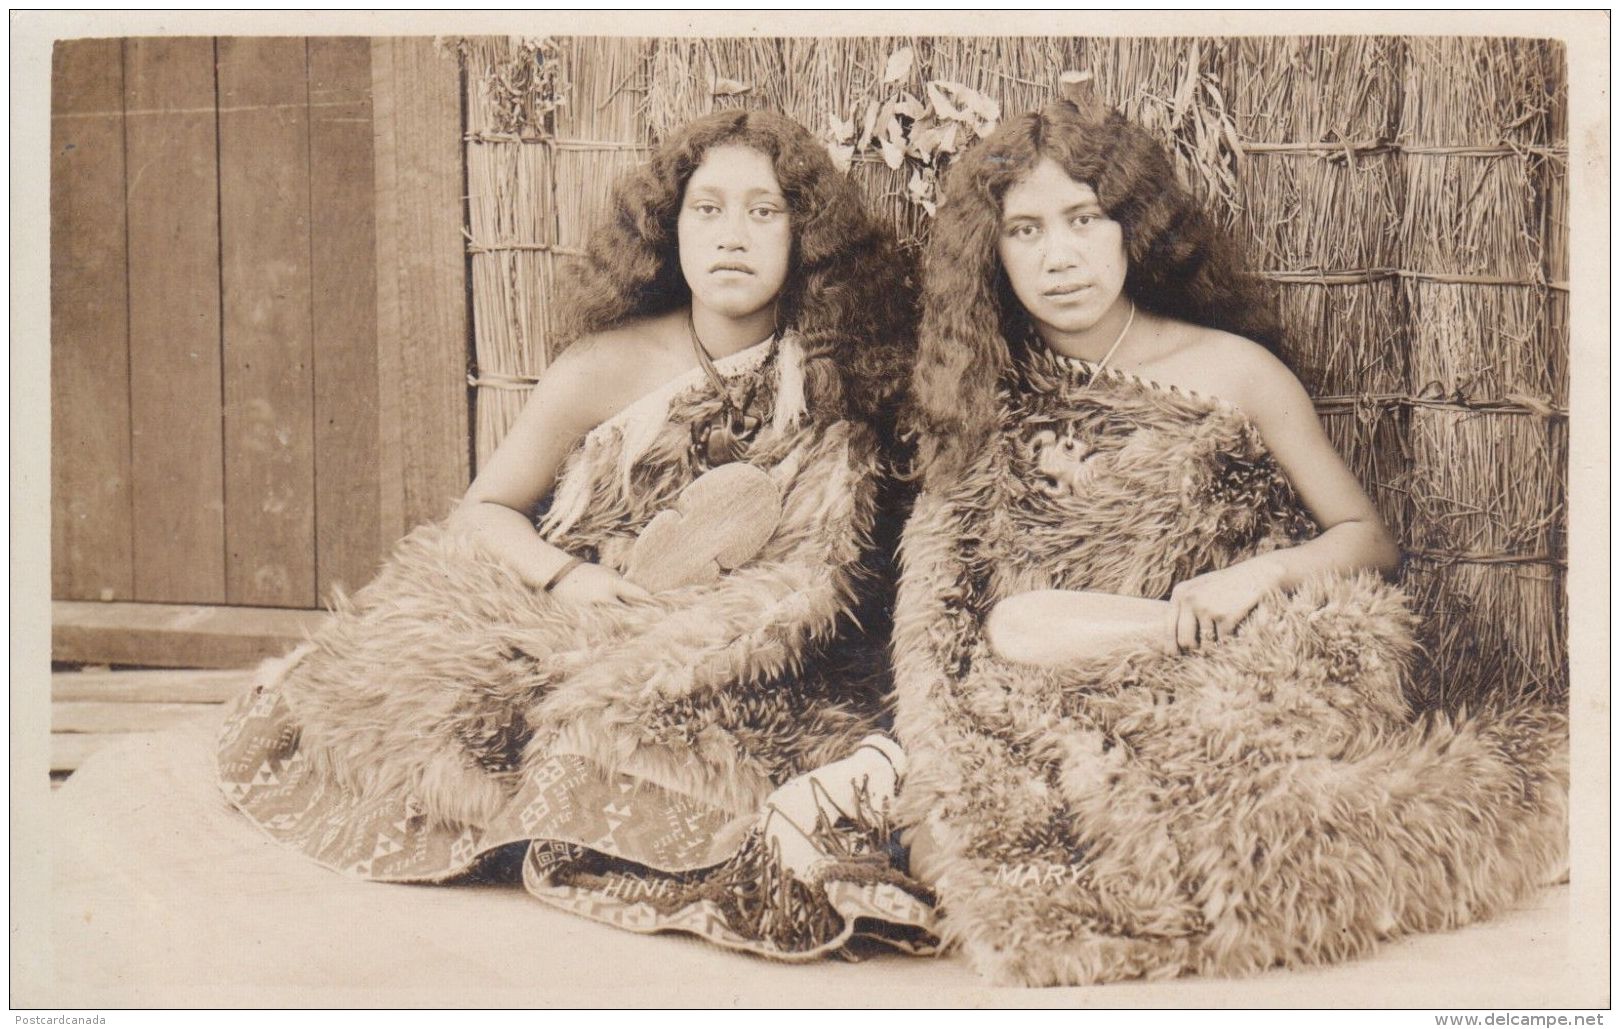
point(659, 606)
point(1149, 672)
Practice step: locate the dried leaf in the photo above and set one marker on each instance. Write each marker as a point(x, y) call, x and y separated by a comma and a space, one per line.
point(920, 188)
point(893, 131)
point(868, 126)
point(841, 128)
point(729, 87)
point(1230, 132)
point(899, 65)
point(910, 106)
point(885, 116)
point(917, 186)
point(843, 155)
point(1206, 151)
point(942, 104)
point(947, 138)
point(893, 156)
point(983, 106)
point(925, 142)
point(1184, 92)
point(969, 99)
point(964, 104)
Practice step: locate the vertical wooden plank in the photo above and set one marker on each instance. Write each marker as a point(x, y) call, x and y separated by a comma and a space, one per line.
point(344, 255)
point(391, 522)
point(422, 330)
point(265, 278)
point(90, 491)
point(173, 190)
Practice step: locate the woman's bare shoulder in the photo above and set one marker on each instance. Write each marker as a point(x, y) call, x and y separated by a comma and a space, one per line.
point(634, 349)
point(620, 347)
point(1239, 370)
point(603, 372)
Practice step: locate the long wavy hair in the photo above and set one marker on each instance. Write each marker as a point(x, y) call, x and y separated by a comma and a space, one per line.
point(847, 297)
point(973, 326)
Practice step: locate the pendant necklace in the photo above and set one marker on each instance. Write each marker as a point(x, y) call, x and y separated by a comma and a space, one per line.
point(1061, 455)
point(1097, 370)
point(724, 436)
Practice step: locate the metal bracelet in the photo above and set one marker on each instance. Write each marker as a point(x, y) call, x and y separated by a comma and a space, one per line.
point(562, 573)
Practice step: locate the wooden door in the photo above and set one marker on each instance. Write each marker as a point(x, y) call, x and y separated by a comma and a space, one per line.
point(233, 220)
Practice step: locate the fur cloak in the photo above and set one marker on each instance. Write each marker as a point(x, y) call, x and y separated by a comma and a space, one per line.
point(1265, 801)
point(450, 710)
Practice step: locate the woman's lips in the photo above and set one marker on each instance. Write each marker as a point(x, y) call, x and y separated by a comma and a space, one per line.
point(731, 269)
point(1064, 292)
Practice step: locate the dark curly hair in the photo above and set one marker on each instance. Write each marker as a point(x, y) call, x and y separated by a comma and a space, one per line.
point(973, 326)
point(847, 297)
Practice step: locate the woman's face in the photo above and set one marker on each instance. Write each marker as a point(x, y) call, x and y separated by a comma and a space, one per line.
point(1064, 257)
point(733, 232)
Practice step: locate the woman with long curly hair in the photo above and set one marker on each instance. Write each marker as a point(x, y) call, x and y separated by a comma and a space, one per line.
point(635, 656)
point(1148, 667)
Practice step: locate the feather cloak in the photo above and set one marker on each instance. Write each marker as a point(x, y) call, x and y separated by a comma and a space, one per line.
point(450, 719)
point(1266, 801)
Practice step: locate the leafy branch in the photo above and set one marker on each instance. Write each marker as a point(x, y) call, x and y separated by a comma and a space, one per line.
point(907, 130)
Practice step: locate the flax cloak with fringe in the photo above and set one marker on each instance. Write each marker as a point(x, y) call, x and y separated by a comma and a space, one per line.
point(1267, 801)
point(449, 717)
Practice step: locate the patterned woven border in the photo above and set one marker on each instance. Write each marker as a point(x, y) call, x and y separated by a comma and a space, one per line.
point(567, 807)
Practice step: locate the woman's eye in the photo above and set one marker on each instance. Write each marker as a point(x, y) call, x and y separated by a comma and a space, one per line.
point(764, 213)
point(1024, 231)
point(705, 207)
point(1083, 220)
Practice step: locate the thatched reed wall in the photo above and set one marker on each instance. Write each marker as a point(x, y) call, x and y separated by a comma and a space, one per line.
point(1407, 196)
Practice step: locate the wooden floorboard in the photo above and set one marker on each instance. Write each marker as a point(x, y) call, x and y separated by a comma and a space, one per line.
point(95, 708)
point(175, 635)
point(149, 686)
point(75, 716)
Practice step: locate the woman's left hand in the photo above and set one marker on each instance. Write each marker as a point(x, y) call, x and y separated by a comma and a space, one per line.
point(1210, 607)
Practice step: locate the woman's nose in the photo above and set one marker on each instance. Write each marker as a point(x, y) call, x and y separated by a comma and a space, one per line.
point(1062, 252)
point(733, 234)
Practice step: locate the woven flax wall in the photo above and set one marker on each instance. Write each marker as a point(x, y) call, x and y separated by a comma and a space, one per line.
point(1408, 197)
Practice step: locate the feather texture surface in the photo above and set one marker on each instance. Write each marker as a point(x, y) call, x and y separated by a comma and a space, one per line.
point(1266, 801)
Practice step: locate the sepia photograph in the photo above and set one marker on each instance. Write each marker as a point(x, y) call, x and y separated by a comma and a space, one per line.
point(790, 510)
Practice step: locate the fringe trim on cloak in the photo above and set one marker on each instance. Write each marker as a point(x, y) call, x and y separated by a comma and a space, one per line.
point(448, 710)
point(1268, 801)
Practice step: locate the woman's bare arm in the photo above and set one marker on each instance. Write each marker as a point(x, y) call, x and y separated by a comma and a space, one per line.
point(1353, 536)
point(574, 395)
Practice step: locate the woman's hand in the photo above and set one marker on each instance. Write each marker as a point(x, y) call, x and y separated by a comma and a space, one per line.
point(1207, 609)
point(594, 584)
point(830, 792)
